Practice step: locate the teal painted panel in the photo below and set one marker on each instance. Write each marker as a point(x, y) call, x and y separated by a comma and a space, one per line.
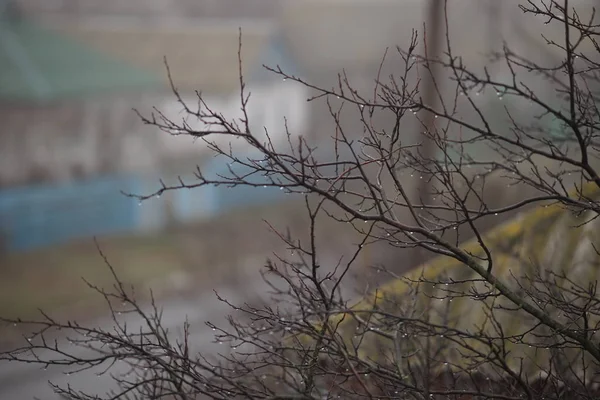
point(34, 217)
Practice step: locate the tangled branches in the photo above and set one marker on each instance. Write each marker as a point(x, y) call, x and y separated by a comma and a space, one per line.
point(509, 315)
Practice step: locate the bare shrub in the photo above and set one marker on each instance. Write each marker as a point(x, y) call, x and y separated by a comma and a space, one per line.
point(508, 315)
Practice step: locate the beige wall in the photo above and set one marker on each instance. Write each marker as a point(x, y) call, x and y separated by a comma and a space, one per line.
point(70, 140)
point(74, 140)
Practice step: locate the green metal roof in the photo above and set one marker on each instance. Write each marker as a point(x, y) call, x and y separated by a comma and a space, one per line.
point(38, 65)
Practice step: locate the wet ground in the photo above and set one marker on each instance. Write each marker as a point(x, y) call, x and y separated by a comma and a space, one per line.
point(20, 381)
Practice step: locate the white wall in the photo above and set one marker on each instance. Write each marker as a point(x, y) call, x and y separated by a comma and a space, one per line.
point(267, 108)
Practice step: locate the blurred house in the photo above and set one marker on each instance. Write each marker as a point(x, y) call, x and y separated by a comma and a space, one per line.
point(63, 112)
point(63, 106)
point(73, 144)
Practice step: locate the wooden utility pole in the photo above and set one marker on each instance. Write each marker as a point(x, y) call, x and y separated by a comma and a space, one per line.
point(432, 45)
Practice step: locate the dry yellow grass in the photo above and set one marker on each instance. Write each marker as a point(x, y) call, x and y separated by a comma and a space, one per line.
point(548, 237)
point(52, 278)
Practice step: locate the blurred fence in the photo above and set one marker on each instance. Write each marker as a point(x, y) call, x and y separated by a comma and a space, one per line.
point(34, 217)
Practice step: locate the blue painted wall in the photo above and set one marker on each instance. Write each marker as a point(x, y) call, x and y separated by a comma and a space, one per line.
point(227, 198)
point(40, 216)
